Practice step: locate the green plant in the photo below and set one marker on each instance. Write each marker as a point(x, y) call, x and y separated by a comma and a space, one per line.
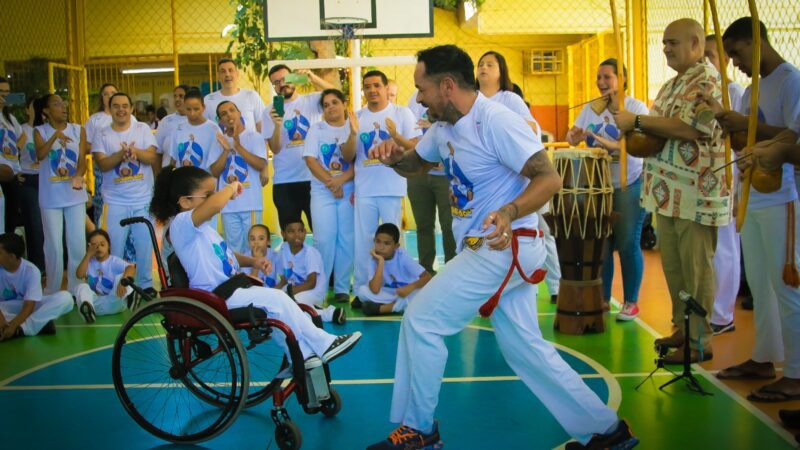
point(452, 5)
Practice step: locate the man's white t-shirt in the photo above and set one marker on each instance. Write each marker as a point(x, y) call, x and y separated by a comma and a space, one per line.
point(237, 169)
point(300, 115)
point(203, 253)
point(373, 179)
point(24, 284)
point(166, 127)
point(297, 268)
point(28, 161)
point(58, 168)
point(248, 101)
point(97, 122)
point(421, 113)
point(324, 143)
point(399, 271)
point(100, 276)
point(603, 124)
point(129, 183)
point(778, 106)
point(483, 155)
point(195, 145)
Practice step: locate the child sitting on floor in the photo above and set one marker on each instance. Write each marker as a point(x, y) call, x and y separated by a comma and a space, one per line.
point(23, 309)
point(394, 278)
point(103, 294)
point(302, 274)
point(259, 238)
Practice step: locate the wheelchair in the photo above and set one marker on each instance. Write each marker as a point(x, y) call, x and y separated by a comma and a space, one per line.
point(185, 366)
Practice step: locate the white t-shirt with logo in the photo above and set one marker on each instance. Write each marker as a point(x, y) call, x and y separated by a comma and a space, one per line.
point(97, 122)
point(100, 276)
point(129, 183)
point(28, 162)
point(777, 106)
point(300, 115)
point(10, 132)
point(297, 268)
point(483, 155)
point(24, 284)
point(373, 179)
point(166, 127)
point(324, 143)
point(603, 124)
point(248, 101)
point(237, 169)
point(58, 168)
point(399, 271)
point(195, 145)
point(206, 257)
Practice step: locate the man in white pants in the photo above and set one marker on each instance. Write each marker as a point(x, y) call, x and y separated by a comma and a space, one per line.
point(766, 232)
point(126, 154)
point(379, 191)
point(500, 176)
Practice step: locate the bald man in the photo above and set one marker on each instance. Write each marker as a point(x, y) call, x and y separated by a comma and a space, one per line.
point(688, 199)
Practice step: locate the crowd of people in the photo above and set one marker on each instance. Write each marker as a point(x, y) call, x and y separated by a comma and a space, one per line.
point(466, 148)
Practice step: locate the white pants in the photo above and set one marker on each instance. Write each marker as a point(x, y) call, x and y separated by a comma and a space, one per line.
point(50, 307)
point(449, 302)
point(334, 237)
point(727, 269)
point(371, 212)
point(54, 221)
point(141, 238)
point(553, 276)
point(278, 306)
point(315, 301)
point(237, 225)
point(383, 297)
point(776, 306)
point(103, 304)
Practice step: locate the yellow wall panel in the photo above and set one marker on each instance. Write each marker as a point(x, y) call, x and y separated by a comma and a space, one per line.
point(28, 32)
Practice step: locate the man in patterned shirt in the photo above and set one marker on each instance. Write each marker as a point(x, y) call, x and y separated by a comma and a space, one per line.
point(689, 199)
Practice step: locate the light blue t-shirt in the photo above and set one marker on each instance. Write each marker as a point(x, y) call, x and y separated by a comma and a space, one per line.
point(399, 271)
point(324, 143)
point(483, 155)
point(206, 257)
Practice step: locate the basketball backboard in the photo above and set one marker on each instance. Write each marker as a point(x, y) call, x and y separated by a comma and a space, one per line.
point(295, 20)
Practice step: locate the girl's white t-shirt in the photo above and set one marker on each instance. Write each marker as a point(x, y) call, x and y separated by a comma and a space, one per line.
point(204, 255)
point(58, 167)
point(100, 276)
point(324, 143)
point(195, 145)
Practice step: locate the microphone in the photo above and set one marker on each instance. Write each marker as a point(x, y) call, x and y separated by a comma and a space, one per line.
point(692, 303)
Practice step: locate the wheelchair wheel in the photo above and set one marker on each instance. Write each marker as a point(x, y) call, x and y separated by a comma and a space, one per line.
point(288, 436)
point(161, 355)
point(333, 405)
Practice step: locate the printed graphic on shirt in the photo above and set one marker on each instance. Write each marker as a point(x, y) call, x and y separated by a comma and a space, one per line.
point(190, 153)
point(291, 276)
point(332, 158)
point(394, 284)
point(30, 148)
point(226, 257)
point(461, 189)
point(297, 128)
point(371, 139)
point(235, 169)
point(63, 161)
point(11, 294)
point(128, 170)
point(8, 140)
point(100, 284)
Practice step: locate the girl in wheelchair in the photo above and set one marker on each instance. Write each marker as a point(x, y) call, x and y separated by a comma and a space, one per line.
point(188, 198)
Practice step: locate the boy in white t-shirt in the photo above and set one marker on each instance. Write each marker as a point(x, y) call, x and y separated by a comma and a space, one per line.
point(394, 278)
point(259, 239)
point(23, 309)
point(102, 294)
point(244, 155)
point(302, 274)
point(194, 142)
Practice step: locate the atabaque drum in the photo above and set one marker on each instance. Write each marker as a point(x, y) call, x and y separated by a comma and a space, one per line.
point(580, 220)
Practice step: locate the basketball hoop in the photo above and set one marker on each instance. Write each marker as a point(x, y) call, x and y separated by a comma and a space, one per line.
point(347, 25)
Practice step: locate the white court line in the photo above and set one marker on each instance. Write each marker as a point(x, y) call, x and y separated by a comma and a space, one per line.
point(767, 420)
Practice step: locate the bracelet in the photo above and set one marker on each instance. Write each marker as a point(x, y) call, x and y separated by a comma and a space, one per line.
point(637, 123)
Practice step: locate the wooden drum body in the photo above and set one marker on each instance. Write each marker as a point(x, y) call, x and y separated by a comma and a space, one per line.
point(580, 220)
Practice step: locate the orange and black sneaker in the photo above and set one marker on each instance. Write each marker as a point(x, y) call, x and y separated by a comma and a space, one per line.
point(620, 439)
point(406, 438)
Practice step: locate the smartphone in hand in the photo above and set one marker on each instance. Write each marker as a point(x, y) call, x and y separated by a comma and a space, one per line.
point(277, 105)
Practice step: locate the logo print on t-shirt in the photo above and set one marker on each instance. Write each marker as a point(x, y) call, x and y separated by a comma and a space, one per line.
point(225, 256)
point(127, 168)
point(394, 284)
point(332, 158)
point(297, 128)
point(461, 189)
point(605, 129)
point(63, 161)
point(8, 140)
point(100, 284)
point(11, 294)
point(235, 169)
point(292, 276)
point(373, 138)
point(190, 153)
point(31, 149)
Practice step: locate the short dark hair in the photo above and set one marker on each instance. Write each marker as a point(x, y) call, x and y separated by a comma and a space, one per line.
point(449, 60)
point(120, 94)
point(376, 73)
point(12, 243)
point(334, 92)
point(193, 93)
point(290, 220)
point(613, 63)
point(223, 103)
point(226, 60)
point(99, 232)
point(276, 68)
point(742, 29)
point(390, 230)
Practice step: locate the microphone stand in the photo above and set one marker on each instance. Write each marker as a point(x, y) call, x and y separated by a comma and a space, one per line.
point(692, 383)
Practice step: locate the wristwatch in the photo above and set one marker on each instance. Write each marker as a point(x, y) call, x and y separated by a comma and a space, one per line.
point(637, 123)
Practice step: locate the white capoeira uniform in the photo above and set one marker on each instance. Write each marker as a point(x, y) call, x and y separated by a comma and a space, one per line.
point(296, 268)
point(764, 235)
point(25, 285)
point(100, 289)
point(399, 271)
point(245, 210)
point(491, 146)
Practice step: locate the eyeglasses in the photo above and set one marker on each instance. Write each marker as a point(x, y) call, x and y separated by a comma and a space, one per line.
point(197, 196)
point(279, 82)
